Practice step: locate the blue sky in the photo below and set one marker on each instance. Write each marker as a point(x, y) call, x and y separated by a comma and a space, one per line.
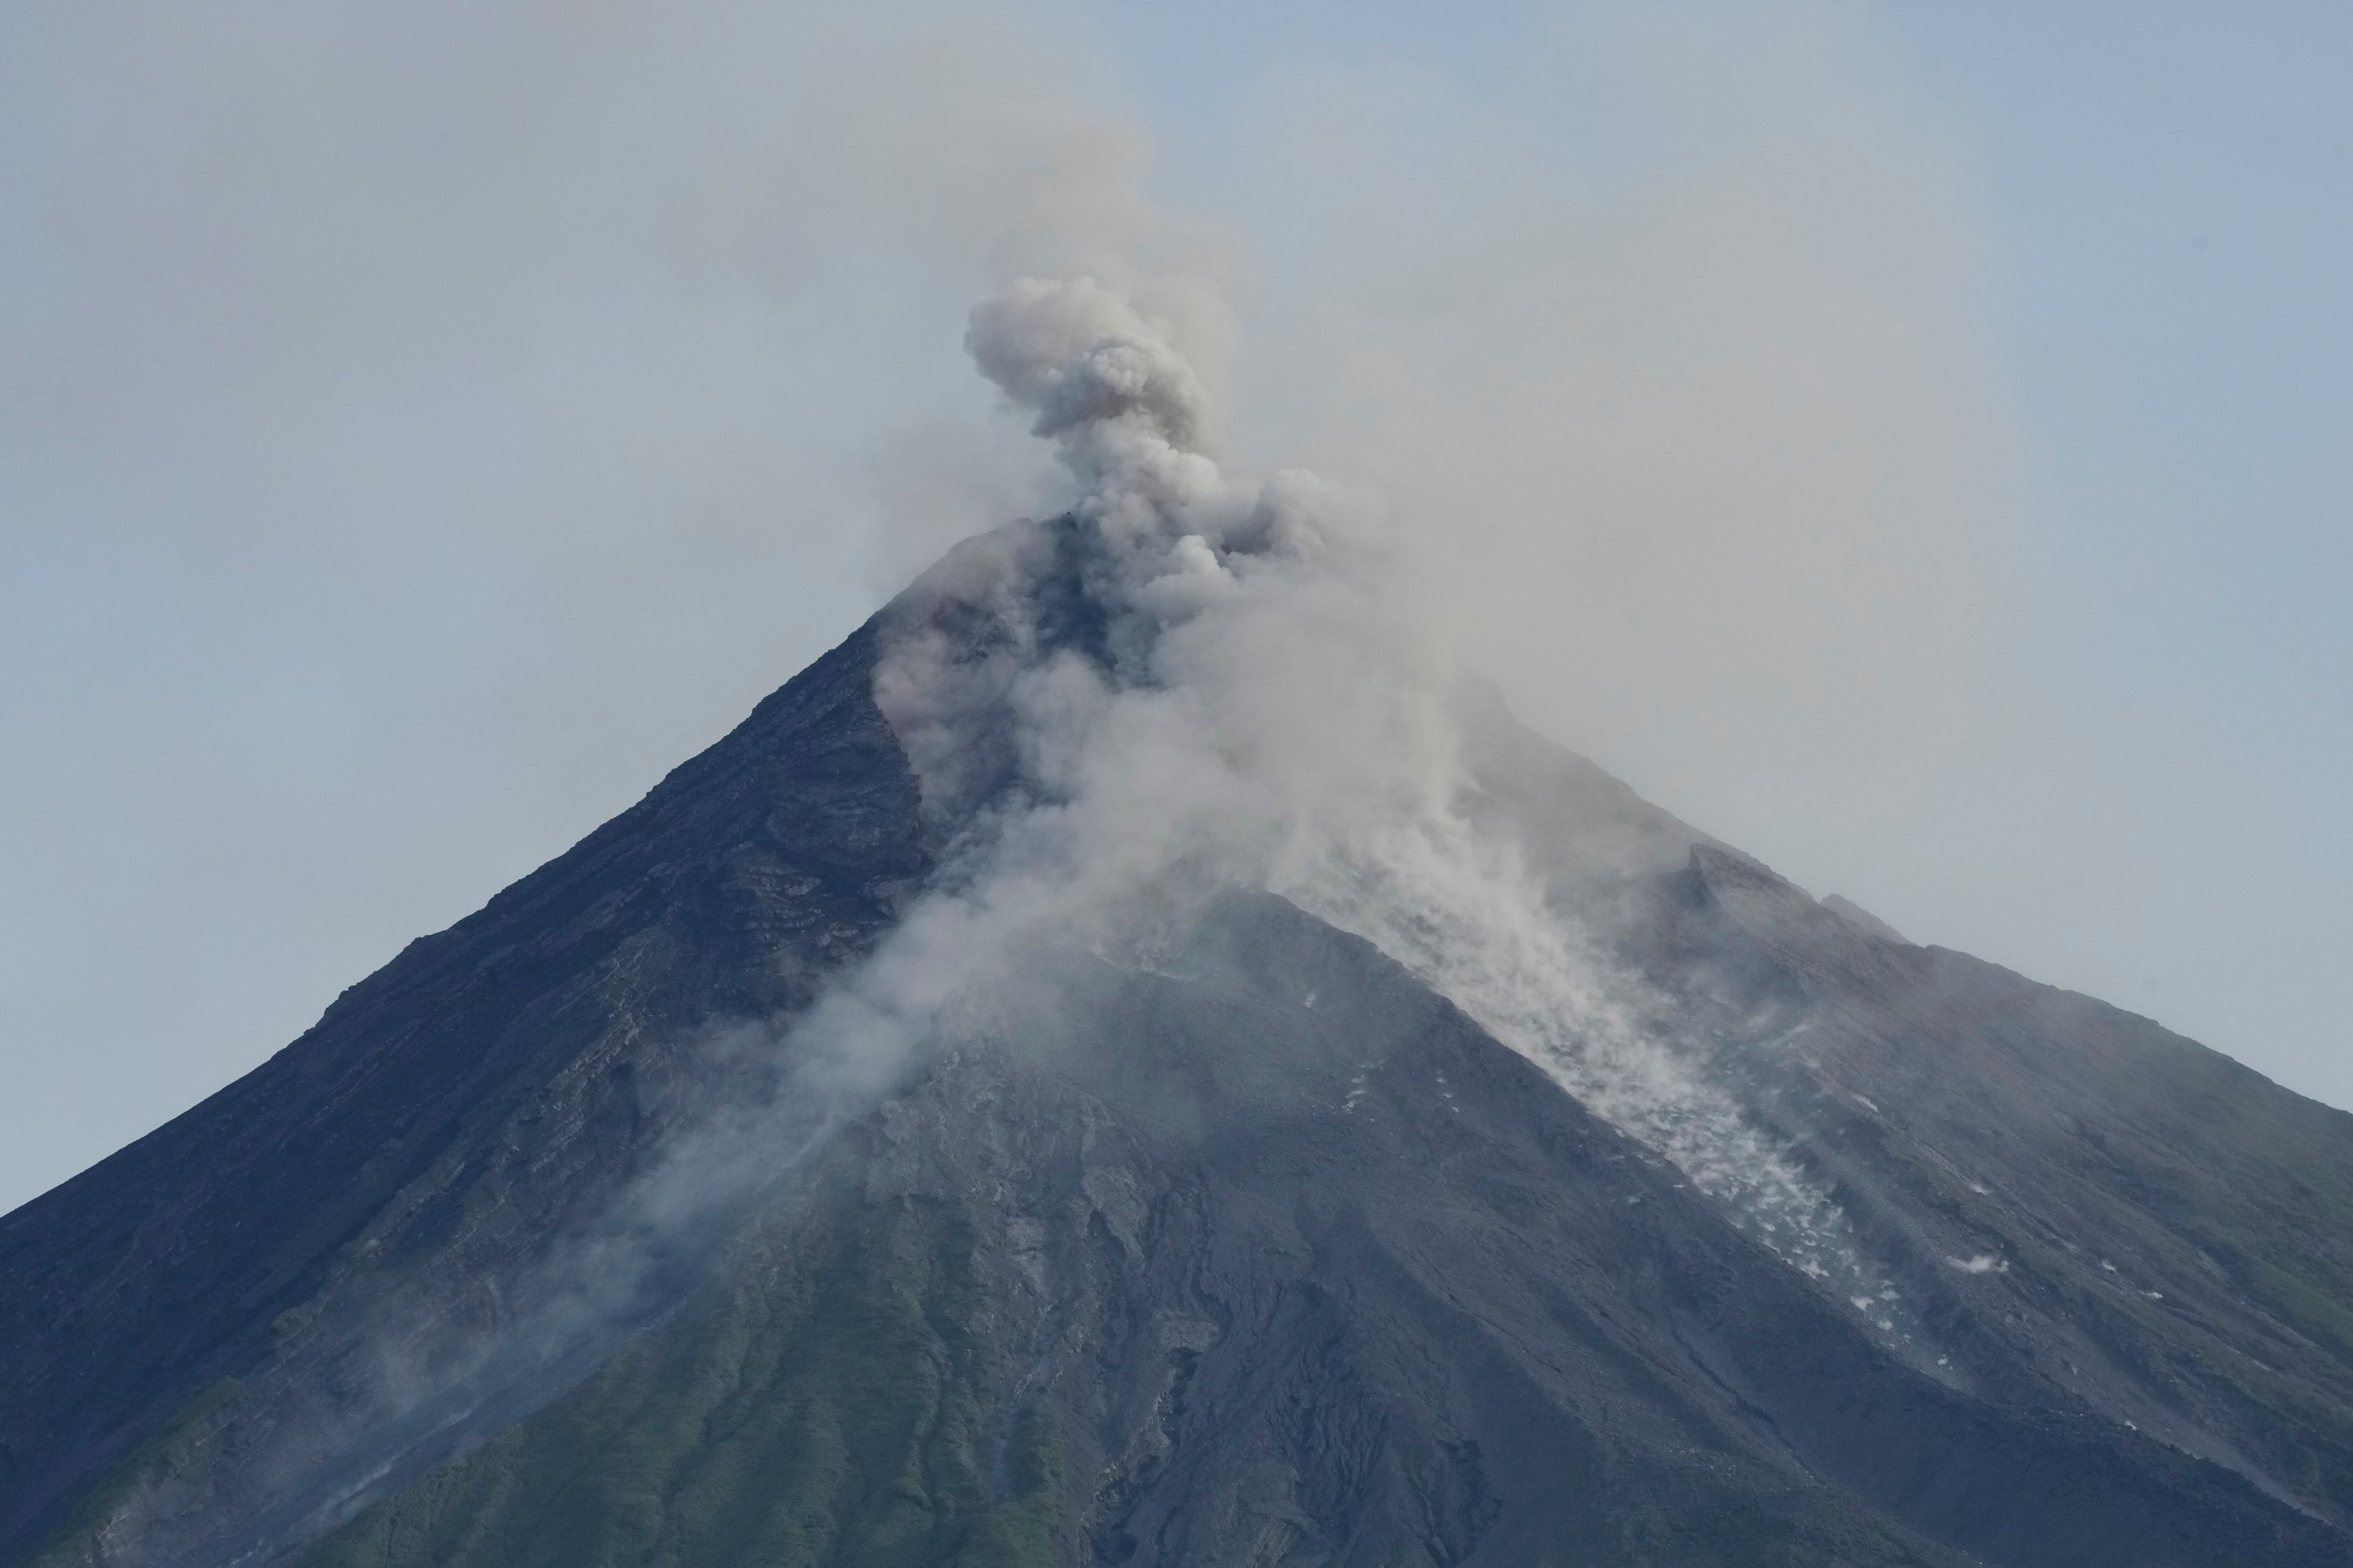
point(1909, 441)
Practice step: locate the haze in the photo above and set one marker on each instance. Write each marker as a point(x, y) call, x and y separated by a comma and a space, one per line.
point(1907, 445)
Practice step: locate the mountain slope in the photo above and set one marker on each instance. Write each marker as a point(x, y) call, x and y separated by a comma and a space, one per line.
point(2106, 1216)
point(1251, 1247)
point(1283, 1260)
point(489, 1087)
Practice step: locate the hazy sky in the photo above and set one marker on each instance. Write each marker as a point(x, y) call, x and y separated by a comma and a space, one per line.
point(1911, 442)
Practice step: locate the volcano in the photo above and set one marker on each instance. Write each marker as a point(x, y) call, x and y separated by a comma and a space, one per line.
point(1258, 1233)
point(1133, 1058)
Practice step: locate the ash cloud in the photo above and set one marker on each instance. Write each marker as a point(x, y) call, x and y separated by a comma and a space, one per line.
point(1267, 705)
point(1104, 379)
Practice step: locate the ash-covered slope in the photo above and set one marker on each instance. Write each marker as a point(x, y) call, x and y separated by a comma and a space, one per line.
point(1249, 1246)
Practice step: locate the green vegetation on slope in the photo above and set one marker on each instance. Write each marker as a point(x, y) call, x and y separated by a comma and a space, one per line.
point(831, 1409)
point(173, 1460)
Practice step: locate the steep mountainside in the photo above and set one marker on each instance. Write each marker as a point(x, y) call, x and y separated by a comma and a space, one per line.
point(2097, 1214)
point(1285, 1262)
point(1251, 1248)
point(491, 1087)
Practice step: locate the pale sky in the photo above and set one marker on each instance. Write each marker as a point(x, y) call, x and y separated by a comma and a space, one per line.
point(1912, 442)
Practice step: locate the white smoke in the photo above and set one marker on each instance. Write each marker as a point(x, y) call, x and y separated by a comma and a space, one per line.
point(1244, 659)
point(1266, 709)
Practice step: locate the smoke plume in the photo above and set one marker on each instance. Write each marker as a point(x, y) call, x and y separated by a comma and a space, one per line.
point(1247, 693)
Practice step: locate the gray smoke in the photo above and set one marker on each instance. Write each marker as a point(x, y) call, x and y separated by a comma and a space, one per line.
point(1269, 709)
point(1107, 385)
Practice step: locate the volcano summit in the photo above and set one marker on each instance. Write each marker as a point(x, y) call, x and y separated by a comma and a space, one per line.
point(1131, 1058)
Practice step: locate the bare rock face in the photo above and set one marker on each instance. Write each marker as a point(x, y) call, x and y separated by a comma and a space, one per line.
point(1260, 1252)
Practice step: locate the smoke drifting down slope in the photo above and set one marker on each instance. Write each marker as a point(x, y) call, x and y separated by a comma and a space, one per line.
point(1246, 695)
